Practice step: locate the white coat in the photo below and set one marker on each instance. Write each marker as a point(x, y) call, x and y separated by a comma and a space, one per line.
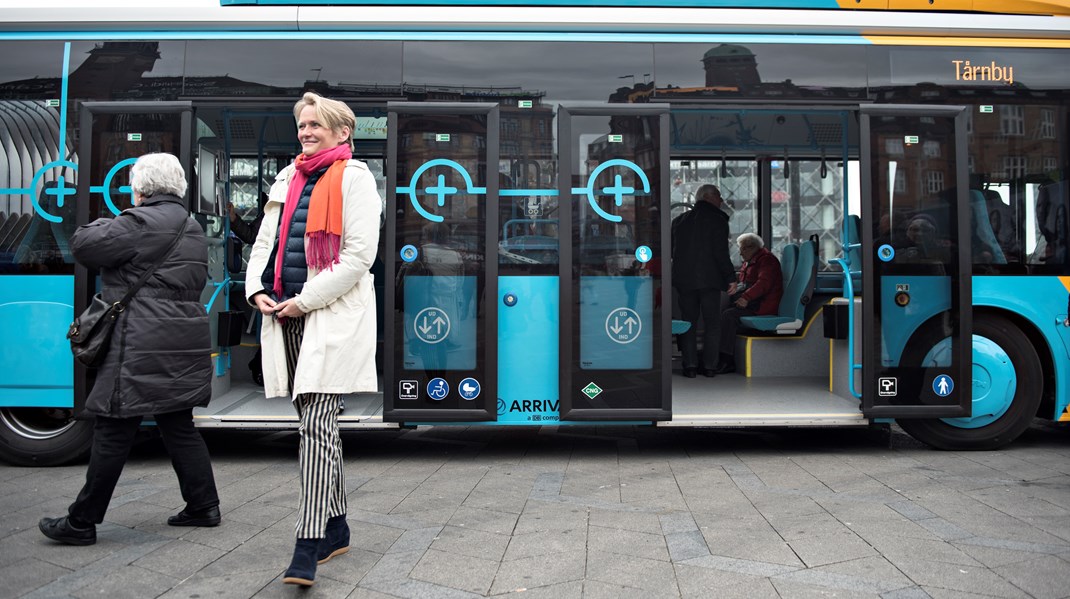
point(338, 349)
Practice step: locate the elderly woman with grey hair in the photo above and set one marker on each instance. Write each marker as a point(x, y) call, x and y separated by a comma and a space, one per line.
point(159, 361)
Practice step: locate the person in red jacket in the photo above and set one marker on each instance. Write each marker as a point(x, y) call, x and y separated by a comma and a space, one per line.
point(756, 292)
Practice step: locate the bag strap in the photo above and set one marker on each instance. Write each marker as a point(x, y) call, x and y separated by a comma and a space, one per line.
point(148, 272)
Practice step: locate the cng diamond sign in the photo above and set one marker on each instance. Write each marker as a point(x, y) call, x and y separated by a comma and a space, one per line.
point(591, 390)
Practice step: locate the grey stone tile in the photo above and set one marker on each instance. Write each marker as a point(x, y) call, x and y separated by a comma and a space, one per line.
point(749, 539)
point(993, 557)
point(829, 549)
point(128, 581)
point(364, 593)
point(651, 575)
point(627, 542)
point(564, 590)
point(539, 571)
point(486, 520)
point(471, 542)
point(596, 589)
point(702, 583)
point(975, 579)
point(686, 545)
point(415, 540)
point(795, 589)
point(239, 584)
point(543, 516)
point(895, 548)
point(418, 589)
point(259, 513)
point(372, 537)
point(226, 536)
point(462, 572)
point(392, 567)
point(1044, 577)
point(522, 546)
point(349, 567)
point(24, 575)
point(875, 569)
point(179, 559)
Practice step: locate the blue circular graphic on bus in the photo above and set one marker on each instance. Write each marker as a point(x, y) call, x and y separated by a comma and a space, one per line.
point(943, 385)
point(409, 253)
point(886, 253)
point(469, 388)
point(643, 254)
point(438, 389)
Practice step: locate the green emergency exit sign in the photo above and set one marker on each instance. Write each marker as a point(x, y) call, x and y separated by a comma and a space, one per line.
point(133, 137)
point(910, 140)
point(524, 103)
point(616, 139)
point(987, 109)
point(442, 137)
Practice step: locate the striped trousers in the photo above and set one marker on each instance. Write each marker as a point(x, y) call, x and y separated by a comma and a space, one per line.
point(323, 484)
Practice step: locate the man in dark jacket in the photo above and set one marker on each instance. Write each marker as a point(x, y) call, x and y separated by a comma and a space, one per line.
point(756, 292)
point(701, 271)
point(159, 360)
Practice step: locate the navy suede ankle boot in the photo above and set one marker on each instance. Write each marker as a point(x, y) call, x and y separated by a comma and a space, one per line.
point(335, 540)
point(302, 568)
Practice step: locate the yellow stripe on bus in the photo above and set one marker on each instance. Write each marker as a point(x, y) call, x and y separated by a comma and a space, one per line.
point(1066, 282)
point(1005, 7)
point(1007, 42)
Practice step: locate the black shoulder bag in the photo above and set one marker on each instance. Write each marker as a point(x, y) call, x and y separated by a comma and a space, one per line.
point(90, 333)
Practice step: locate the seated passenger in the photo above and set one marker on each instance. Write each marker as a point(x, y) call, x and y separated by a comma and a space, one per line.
point(756, 292)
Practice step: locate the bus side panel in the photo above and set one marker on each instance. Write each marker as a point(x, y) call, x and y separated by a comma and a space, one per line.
point(1039, 300)
point(528, 369)
point(41, 373)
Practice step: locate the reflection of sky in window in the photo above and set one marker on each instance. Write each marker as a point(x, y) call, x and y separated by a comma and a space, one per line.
point(291, 63)
point(1037, 69)
point(680, 65)
point(168, 65)
point(35, 59)
point(566, 72)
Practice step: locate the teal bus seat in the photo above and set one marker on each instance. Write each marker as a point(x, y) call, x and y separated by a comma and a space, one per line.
point(797, 291)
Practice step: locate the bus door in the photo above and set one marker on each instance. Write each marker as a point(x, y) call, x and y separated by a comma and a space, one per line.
point(917, 319)
point(440, 330)
point(615, 301)
point(112, 136)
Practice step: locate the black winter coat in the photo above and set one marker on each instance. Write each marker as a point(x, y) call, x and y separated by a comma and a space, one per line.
point(160, 358)
point(700, 249)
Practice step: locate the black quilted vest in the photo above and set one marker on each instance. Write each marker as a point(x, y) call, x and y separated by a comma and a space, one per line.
point(294, 264)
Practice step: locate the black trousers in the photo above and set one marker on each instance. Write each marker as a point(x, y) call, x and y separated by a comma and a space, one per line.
point(729, 326)
point(112, 440)
point(704, 303)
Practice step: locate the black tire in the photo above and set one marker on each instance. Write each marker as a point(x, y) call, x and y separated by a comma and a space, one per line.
point(1015, 420)
point(43, 436)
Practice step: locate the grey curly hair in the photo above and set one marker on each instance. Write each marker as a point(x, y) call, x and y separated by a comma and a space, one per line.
point(156, 174)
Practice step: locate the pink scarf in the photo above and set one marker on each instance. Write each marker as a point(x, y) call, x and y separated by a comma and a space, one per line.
point(304, 166)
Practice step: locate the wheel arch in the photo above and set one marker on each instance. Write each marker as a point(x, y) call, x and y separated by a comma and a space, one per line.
point(1041, 344)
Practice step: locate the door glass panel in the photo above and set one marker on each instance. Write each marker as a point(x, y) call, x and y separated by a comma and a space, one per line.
point(738, 182)
point(917, 349)
point(438, 256)
point(616, 168)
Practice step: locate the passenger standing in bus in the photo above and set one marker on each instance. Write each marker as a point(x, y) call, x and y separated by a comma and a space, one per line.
point(756, 292)
point(309, 276)
point(159, 361)
point(701, 272)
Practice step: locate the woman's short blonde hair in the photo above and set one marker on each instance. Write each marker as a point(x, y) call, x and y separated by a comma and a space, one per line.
point(158, 174)
point(332, 114)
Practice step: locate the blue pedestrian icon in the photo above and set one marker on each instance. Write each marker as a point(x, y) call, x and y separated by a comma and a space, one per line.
point(943, 385)
point(469, 388)
point(438, 389)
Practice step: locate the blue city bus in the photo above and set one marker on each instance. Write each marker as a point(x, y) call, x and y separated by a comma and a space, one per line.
point(906, 160)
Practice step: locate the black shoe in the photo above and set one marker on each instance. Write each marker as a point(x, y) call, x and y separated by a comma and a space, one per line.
point(61, 529)
point(690, 372)
point(335, 540)
point(302, 570)
point(709, 372)
point(205, 517)
point(726, 367)
point(258, 378)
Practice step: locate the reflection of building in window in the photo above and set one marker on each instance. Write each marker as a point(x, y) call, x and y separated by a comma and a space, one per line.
point(900, 181)
point(1046, 126)
point(1014, 167)
point(931, 149)
point(969, 163)
point(1012, 120)
point(893, 146)
point(969, 122)
point(1049, 164)
point(934, 181)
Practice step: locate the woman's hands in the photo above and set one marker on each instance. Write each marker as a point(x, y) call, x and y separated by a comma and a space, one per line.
point(269, 307)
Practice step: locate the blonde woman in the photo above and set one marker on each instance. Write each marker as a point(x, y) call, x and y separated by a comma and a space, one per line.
point(309, 276)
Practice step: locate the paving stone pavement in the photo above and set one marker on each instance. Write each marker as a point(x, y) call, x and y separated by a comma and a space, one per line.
point(563, 512)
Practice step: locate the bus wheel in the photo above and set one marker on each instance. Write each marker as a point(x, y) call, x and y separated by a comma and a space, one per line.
point(1007, 387)
point(43, 436)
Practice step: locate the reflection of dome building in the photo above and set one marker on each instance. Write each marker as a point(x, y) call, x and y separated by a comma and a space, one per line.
point(730, 65)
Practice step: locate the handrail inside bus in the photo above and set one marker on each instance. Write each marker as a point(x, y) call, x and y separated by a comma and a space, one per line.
point(849, 293)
